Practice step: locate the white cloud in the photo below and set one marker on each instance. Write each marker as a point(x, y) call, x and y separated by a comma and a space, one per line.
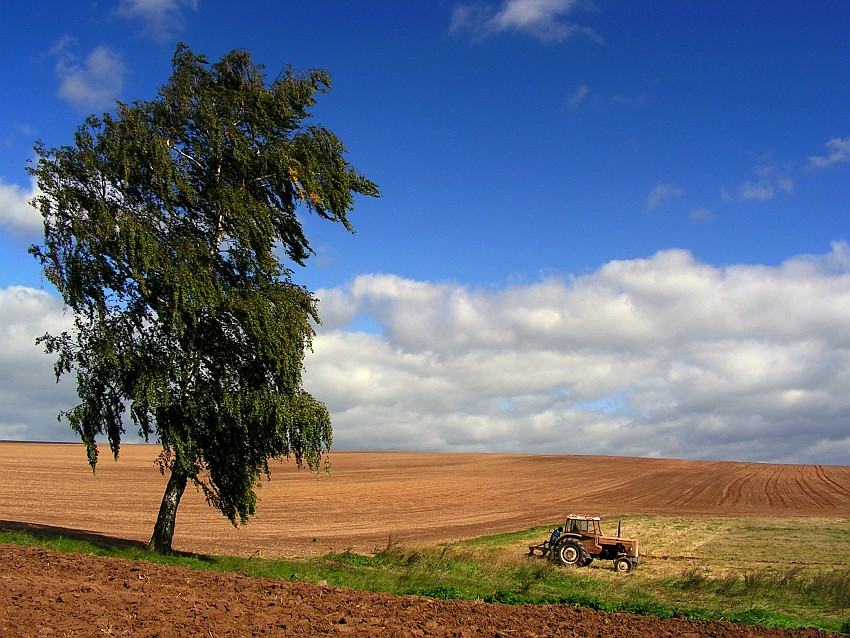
point(542, 19)
point(160, 18)
point(838, 152)
point(16, 214)
point(579, 96)
point(769, 181)
point(30, 398)
point(664, 356)
point(661, 193)
point(759, 191)
point(699, 215)
point(93, 84)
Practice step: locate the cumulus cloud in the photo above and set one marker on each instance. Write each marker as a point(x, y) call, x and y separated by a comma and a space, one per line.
point(542, 19)
point(663, 356)
point(838, 152)
point(661, 193)
point(90, 84)
point(161, 19)
point(16, 214)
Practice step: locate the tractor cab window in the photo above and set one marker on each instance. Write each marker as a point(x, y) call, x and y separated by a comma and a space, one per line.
point(579, 527)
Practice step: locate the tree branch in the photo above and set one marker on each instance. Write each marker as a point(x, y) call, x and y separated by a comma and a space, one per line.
point(186, 155)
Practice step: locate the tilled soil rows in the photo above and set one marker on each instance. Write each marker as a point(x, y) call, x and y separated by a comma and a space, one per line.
point(44, 593)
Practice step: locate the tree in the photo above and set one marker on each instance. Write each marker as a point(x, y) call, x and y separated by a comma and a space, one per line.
point(170, 230)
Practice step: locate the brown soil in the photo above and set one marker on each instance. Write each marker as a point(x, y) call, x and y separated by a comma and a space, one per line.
point(416, 498)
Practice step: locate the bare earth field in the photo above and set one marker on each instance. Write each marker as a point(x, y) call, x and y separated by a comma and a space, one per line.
point(419, 499)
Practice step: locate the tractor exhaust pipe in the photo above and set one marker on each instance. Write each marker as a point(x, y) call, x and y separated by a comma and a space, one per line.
point(618, 529)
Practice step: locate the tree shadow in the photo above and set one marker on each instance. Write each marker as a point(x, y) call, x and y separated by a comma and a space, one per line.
point(50, 532)
point(101, 541)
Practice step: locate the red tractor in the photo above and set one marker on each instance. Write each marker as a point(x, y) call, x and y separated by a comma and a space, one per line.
point(580, 540)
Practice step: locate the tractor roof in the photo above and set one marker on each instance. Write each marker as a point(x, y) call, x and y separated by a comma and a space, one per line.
point(582, 517)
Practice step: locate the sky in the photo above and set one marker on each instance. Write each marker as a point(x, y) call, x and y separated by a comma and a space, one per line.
point(605, 227)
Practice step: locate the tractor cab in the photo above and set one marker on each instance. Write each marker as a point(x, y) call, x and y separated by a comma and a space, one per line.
point(583, 525)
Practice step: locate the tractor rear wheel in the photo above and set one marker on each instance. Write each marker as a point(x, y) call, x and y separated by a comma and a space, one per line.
point(570, 553)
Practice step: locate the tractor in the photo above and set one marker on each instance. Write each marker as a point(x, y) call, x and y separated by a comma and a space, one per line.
point(580, 540)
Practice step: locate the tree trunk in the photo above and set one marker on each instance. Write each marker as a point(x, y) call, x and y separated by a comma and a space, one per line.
point(163, 531)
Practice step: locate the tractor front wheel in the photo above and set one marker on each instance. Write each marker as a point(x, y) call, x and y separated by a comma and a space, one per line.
point(570, 553)
point(623, 565)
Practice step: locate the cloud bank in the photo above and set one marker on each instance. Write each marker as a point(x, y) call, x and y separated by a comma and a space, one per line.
point(664, 356)
point(30, 398)
point(655, 357)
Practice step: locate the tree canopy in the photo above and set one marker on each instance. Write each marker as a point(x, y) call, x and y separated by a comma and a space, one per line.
point(171, 230)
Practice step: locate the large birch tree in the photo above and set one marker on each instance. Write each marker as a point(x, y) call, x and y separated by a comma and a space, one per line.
point(172, 230)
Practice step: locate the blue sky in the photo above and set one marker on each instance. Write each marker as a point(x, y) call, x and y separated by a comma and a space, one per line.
point(606, 227)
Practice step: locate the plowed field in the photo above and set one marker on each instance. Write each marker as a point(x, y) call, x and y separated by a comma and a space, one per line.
point(416, 498)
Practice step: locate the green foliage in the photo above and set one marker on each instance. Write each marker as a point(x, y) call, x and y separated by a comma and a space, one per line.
point(352, 559)
point(438, 592)
point(171, 232)
point(828, 588)
point(528, 574)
